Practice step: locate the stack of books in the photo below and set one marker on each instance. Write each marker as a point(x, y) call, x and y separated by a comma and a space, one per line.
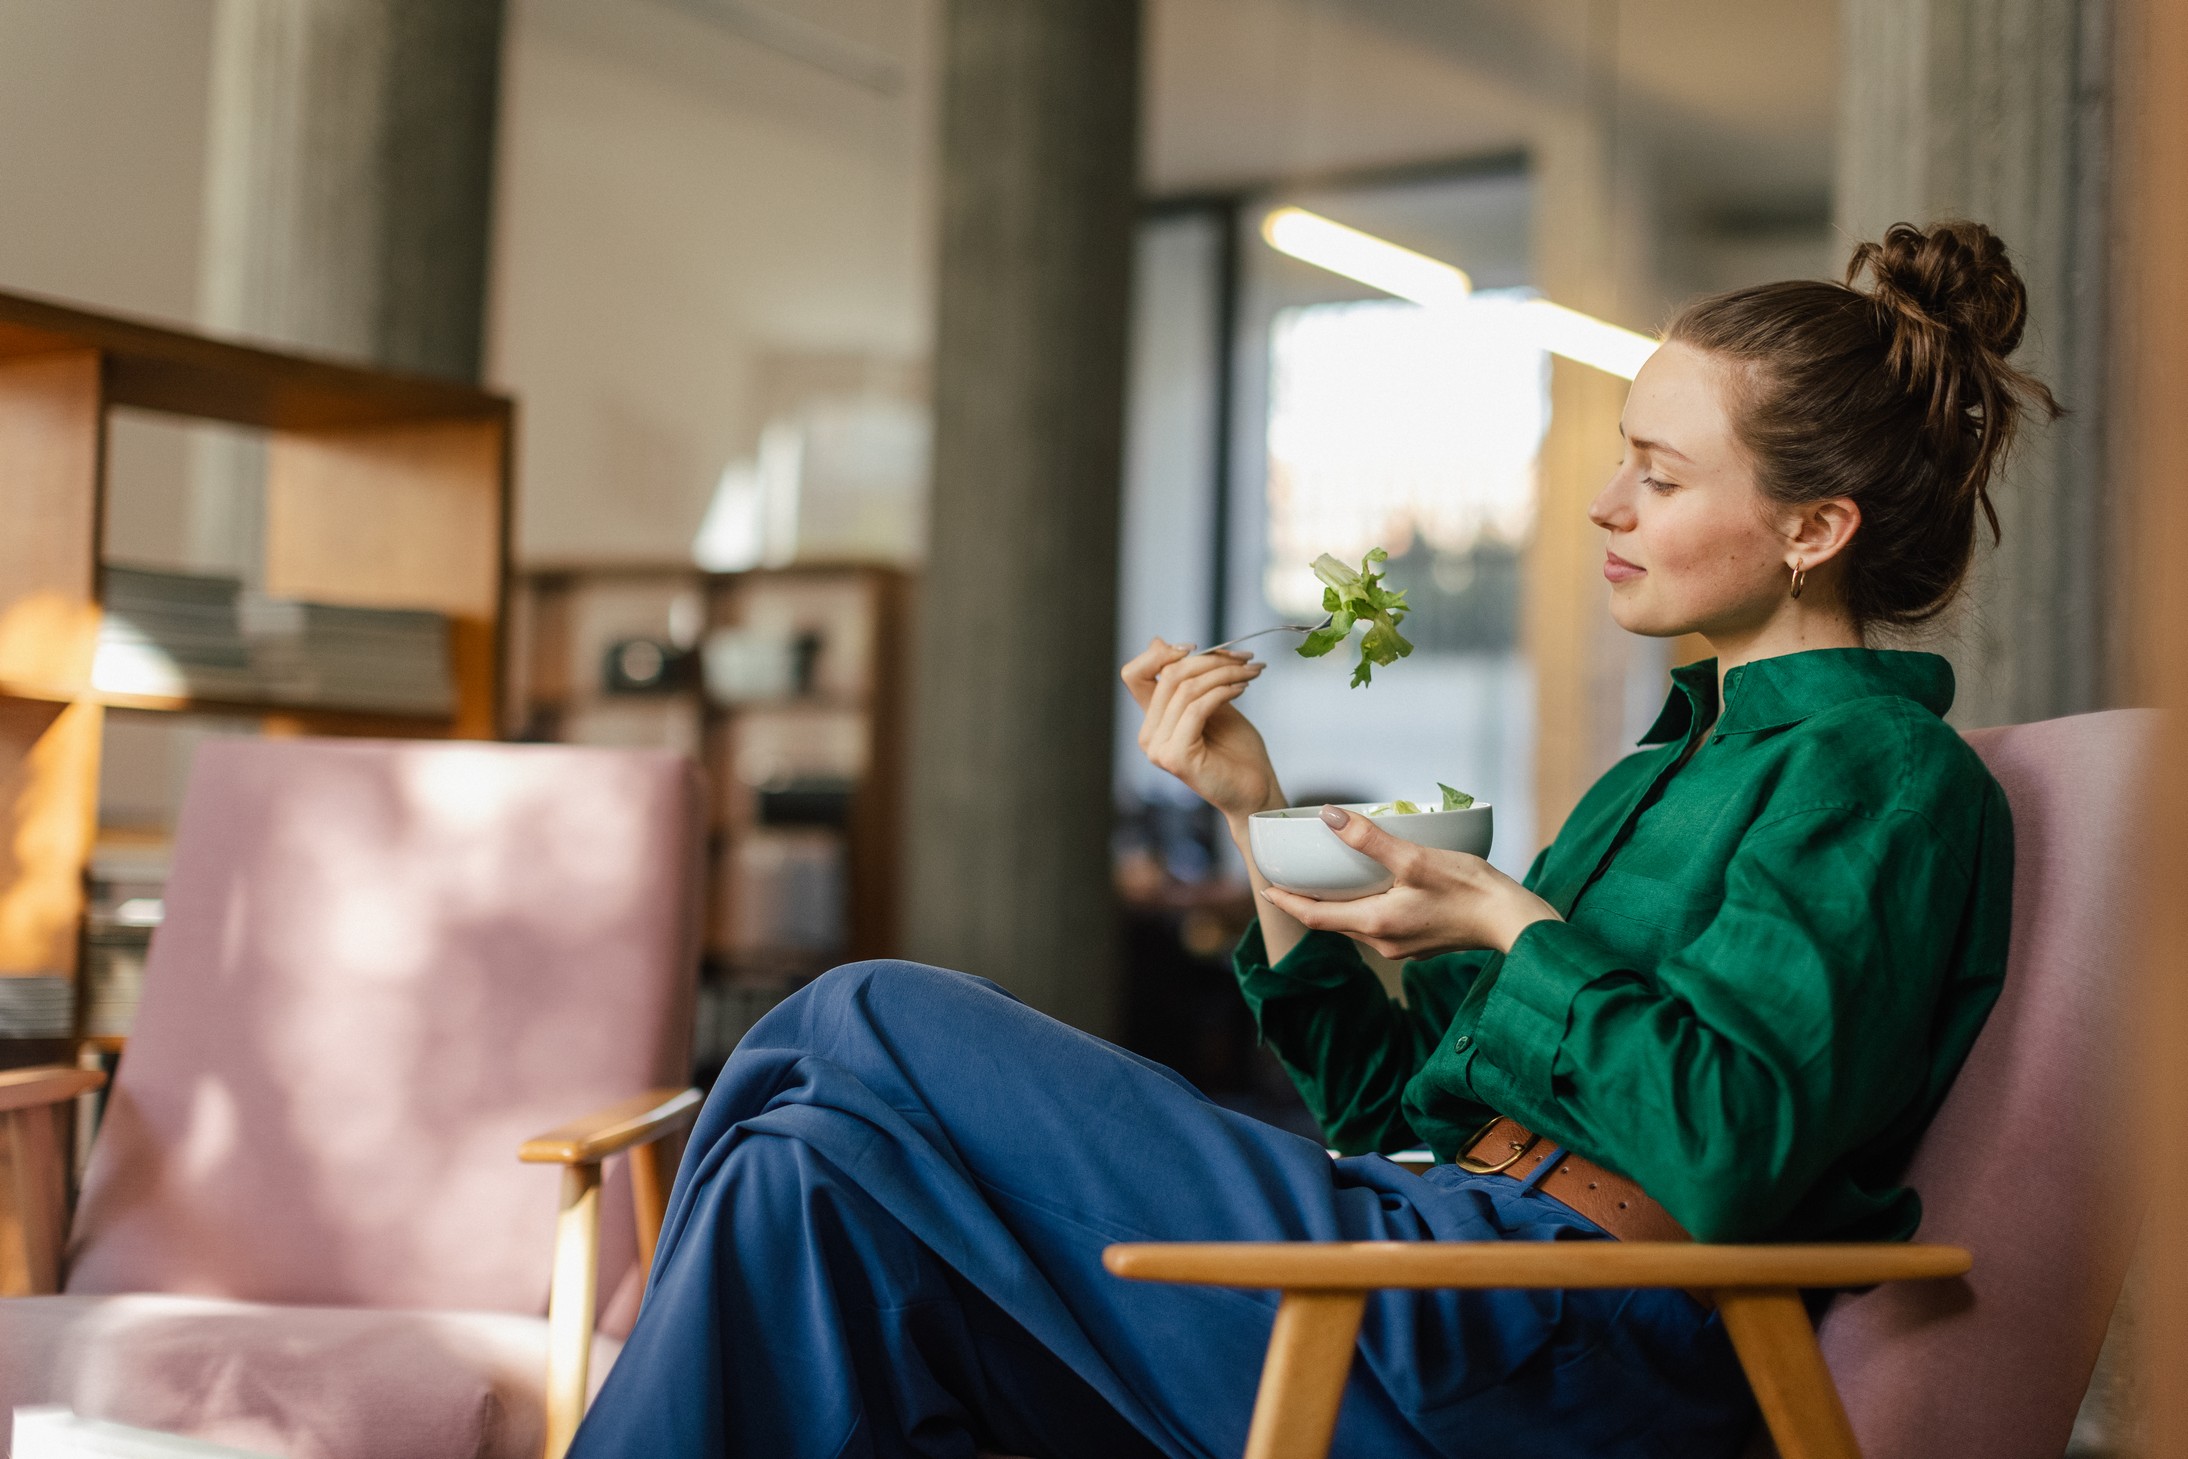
point(173, 633)
point(40, 1007)
point(390, 659)
point(204, 637)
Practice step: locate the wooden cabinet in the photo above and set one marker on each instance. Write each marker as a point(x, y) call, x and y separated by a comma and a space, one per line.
point(382, 491)
point(787, 685)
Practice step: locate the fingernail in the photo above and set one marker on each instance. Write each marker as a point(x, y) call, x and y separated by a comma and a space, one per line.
point(1335, 817)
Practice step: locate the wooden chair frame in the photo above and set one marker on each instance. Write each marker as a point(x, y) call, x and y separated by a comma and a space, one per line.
point(1325, 1287)
point(34, 1197)
point(34, 1208)
point(641, 1126)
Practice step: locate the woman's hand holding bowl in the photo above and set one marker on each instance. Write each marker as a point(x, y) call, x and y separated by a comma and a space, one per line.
point(1440, 901)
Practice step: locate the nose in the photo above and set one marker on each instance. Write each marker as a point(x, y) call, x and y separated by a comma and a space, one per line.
point(1612, 509)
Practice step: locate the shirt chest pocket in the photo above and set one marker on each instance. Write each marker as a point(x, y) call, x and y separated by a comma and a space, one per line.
point(1677, 914)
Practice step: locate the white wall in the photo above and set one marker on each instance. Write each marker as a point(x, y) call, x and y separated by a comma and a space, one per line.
point(102, 175)
point(685, 218)
point(102, 151)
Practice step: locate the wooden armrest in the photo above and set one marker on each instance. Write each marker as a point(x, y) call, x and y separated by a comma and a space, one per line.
point(45, 1084)
point(1352, 1266)
point(634, 1121)
point(635, 1125)
point(1326, 1286)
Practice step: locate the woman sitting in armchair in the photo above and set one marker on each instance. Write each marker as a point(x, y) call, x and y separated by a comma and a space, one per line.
point(1723, 1003)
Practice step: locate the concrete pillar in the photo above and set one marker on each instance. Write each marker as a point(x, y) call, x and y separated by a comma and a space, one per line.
point(2001, 110)
point(1007, 871)
point(350, 172)
point(349, 178)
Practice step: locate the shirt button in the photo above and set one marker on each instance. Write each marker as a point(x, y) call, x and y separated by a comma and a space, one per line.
point(1464, 1040)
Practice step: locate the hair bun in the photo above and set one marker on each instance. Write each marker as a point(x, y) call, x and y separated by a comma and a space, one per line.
point(1953, 276)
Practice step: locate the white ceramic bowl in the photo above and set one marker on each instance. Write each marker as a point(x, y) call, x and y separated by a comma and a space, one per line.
point(1298, 852)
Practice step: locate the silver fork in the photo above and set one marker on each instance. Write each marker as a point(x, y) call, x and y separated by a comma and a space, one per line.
point(1263, 632)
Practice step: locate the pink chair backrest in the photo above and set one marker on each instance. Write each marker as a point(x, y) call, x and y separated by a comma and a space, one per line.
point(2025, 1164)
point(385, 964)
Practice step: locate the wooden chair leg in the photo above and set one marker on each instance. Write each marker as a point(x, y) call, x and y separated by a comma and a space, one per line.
point(34, 1203)
point(1776, 1342)
point(1303, 1378)
point(652, 1171)
point(571, 1304)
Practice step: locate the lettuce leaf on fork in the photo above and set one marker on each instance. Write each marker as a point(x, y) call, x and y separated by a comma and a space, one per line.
point(1359, 597)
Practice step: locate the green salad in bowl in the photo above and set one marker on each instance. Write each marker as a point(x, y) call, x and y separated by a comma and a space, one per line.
point(1297, 851)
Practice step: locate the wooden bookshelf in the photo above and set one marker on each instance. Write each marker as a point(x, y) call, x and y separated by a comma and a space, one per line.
point(382, 491)
point(843, 725)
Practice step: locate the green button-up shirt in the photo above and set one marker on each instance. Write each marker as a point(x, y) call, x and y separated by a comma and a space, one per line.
point(1774, 958)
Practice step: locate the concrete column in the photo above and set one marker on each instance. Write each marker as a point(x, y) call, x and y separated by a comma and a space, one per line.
point(1007, 870)
point(348, 197)
point(2001, 110)
point(350, 172)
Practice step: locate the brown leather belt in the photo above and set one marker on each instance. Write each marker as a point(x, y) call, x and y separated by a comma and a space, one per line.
point(1506, 1147)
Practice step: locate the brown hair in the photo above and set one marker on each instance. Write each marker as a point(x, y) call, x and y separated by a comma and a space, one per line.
point(1896, 395)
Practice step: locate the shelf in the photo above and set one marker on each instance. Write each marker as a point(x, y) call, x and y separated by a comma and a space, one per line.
point(382, 490)
point(152, 367)
point(833, 703)
point(550, 569)
point(322, 718)
point(848, 733)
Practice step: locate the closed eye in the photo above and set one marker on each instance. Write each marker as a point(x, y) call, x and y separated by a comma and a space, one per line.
point(1661, 488)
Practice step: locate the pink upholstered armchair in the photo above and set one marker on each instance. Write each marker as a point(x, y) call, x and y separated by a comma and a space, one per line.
point(2024, 1167)
point(385, 968)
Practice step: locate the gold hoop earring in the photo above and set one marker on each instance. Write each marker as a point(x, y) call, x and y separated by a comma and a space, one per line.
point(1800, 580)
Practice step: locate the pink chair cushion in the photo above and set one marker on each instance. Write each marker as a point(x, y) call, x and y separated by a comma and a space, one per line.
point(302, 1382)
point(2025, 1164)
point(384, 965)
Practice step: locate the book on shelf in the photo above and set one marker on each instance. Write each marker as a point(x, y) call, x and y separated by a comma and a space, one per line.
point(393, 659)
point(208, 637)
point(37, 1007)
point(173, 633)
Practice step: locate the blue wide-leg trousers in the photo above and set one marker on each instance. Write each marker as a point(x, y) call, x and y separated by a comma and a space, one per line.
point(885, 1239)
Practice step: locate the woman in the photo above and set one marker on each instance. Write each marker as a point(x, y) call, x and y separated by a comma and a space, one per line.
point(1725, 1001)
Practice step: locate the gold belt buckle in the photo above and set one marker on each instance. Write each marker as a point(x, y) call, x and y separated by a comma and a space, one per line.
point(1482, 1167)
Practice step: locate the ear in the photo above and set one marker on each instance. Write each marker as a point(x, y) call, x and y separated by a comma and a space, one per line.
point(1819, 531)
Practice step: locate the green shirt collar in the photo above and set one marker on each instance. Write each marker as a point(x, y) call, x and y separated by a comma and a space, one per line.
point(1787, 688)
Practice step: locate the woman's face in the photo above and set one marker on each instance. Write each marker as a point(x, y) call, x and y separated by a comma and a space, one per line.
point(1694, 546)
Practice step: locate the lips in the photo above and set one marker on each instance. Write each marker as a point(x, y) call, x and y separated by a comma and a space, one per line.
point(1618, 570)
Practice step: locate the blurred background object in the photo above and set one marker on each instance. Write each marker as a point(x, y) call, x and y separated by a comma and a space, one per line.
point(786, 686)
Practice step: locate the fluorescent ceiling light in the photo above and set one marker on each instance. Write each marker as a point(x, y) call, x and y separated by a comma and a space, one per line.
point(1376, 262)
point(1591, 341)
point(1381, 264)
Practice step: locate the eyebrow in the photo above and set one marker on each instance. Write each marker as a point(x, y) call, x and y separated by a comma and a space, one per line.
point(1656, 446)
